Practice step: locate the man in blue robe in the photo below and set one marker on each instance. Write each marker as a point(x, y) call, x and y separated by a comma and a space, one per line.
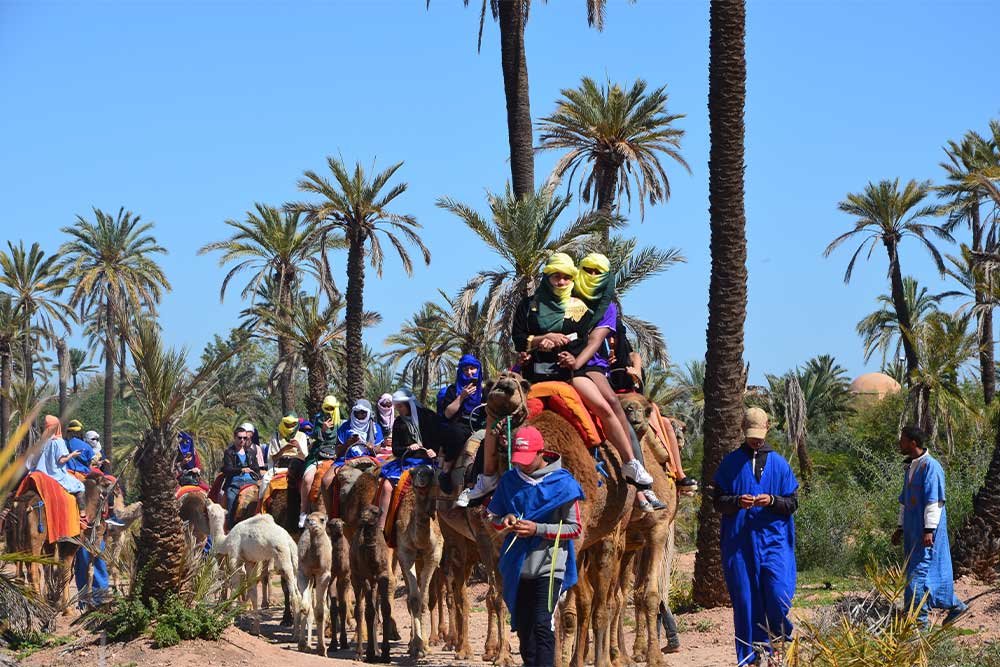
point(923, 530)
point(756, 492)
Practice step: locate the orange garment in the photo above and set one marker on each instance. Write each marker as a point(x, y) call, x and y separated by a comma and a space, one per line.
point(278, 483)
point(322, 467)
point(62, 516)
point(402, 487)
point(186, 489)
point(563, 399)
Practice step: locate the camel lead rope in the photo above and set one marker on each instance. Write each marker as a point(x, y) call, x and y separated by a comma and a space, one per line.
point(510, 464)
point(552, 565)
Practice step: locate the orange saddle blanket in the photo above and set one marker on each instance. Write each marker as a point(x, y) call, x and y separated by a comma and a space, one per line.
point(278, 483)
point(398, 493)
point(562, 399)
point(62, 517)
point(186, 489)
point(322, 467)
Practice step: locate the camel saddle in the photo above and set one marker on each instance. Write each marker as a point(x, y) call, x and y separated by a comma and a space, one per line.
point(339, 486)
point(62, 516)
point(398, 493)
point(563, 399)
point(322, 467)
point(186, 489)
point(278, 483)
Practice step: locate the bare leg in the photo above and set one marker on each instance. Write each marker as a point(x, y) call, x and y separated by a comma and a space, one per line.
point(304, 487)
point(598, 405)
point(385, 497)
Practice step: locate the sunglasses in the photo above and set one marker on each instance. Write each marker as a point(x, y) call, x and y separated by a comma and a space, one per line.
point(243, 438)
point(360, 414)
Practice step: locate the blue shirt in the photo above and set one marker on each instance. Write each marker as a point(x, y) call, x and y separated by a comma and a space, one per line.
point(82, 462)
point(244, 477)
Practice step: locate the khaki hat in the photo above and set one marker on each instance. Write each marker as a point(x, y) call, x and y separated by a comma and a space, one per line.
point(755, 423)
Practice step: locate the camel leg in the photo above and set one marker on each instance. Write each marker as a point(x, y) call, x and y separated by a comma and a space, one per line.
point(320, 601)
point(302, 631)
point(286, 590)
point(504, 657)
point(492, 646)
point(459, 577)
point(265, 585)
point(566, 628)
point(425, 572)
point(252, 590)
point(584, 609)
point(385, 603)
point(609, 553)
point(434, 604)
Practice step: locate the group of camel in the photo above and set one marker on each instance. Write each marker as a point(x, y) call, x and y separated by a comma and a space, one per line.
point(344, 562)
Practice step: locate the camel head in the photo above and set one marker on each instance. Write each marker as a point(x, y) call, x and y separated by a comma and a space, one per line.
point(216, 523)
point(638, 410)
point(369, 516)
point(97, 489)
point(316, 522)
point(335, 529)
point(422, 478)
point(508, 395)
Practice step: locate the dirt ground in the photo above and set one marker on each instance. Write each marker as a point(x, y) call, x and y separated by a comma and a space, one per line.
point(706, 637)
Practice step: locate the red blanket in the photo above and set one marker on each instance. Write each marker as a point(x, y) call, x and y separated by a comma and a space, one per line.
point(188, 488)
point(62, 517)
point(321, 469)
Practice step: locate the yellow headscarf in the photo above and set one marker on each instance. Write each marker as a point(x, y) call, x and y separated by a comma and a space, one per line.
point(288, 426)
point(560, 262)
point(331, 408)
point(588, 286)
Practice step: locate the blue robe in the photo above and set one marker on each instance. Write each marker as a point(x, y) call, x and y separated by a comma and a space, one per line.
point(81, 463)
point(534, 502)
point(758, 552)
point(928, 569)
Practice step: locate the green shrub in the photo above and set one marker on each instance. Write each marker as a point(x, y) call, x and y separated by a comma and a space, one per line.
point(124, 619)
point(165, 636)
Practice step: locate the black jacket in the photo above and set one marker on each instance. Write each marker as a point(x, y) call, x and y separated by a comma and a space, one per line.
point(526, 324)
point(231, 466)
point(403, 432)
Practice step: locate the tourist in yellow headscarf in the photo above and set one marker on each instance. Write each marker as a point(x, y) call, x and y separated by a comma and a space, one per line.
point(289, 449)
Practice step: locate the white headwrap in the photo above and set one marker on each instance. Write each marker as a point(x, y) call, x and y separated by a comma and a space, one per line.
point(93, 438)
point(404, 395)
point(363, 428)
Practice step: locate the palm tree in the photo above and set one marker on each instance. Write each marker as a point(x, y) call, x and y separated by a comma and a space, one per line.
point(512, 16)
point(824, 386)
point(316, 333)
point(35, 283)
point(617, 136)
point(424, 343)
point(885, 214)
point(78, 364)
point(358, 207)
point(965, 159)
point(163, 389)
point(880, 329)
point(727, 294)
point(276, 247)
point(110, 263)
point(12, 329)
point(523, 233)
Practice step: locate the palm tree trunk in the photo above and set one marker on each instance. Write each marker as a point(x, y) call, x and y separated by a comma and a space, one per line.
point(354, 316)
point(161, 538)
point(976, 546)
point(62, 357)
point(74, 380)
point(920, 393)
point(987, 361)
point(318, 383)
point(727, 296)
point(121, 367)
point(6, 378)
point(286, 381)
point(109, 384)
point(607, 184)
point(511, 17)
point(28, 360)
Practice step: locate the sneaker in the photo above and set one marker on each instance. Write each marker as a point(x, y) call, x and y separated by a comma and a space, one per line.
point(113, 521)
point(302, 519)
point(483, 487)
point(654, 502)
point(955, 614)
point(636, 474)
point(688, 484)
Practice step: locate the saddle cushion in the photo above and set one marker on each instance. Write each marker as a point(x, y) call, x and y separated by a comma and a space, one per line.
point(62, 516)
point(186, 489)
point(562, 398)
point(398, 493)
point(321, 469)
point(278, 483)
point(215, 493)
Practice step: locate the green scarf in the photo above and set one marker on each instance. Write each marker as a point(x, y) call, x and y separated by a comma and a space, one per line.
point(551, 306)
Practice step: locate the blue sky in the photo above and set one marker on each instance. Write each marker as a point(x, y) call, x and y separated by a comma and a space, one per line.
point(188, 113)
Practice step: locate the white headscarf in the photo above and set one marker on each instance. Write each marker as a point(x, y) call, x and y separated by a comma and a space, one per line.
point(404, 395)
point(93, 438)
point(363, 428)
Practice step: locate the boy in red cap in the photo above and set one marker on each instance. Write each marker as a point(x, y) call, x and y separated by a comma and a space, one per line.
point(538, 501)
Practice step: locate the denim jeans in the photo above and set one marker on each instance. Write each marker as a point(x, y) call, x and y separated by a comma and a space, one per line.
point(534, 621)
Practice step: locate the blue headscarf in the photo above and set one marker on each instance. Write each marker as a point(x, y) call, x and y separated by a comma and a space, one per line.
point(476, 398)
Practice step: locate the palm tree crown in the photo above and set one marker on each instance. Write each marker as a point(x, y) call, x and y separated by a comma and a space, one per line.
point(35, 281)
point(880, 329)
point(618, 135)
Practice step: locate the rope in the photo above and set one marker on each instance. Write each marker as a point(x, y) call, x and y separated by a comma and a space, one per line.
point(552, 565)
point(510, 464)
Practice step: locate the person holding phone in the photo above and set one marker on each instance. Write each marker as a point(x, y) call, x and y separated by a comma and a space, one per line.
point(756, 492)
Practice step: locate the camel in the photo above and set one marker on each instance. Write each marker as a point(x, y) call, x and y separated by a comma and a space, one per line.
point(315, 563)
point(418, 546)
point(340, 580)
point(370, 579)
point(194, 513)
point(357, 484)
point(254, 541)
point(649, 541)
point(604, 510)
point(114, 538)
point(26, 532)
point(440, 604)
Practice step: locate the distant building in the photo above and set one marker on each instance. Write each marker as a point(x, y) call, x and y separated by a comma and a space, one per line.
point(875, 386)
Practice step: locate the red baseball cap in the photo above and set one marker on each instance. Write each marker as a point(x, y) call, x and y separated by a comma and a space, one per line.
point(527, 444)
